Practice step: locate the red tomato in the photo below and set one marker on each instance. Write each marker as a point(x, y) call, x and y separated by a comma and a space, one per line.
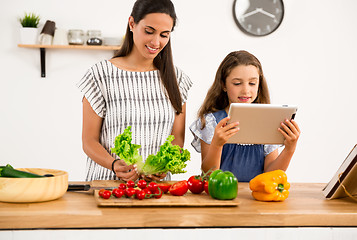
point(129, 192)
point(122, 186)
point(179, 188)
point(137, 191)
point(118, 193)
point(147, 191)
point(106, 194)
point(195, 184)
point(114, 191)
point(164, 187)
point(101, 192)
point(130, 184)
point(140, 195)
point(157, 193)
point(152, 186)
point(206, 187)
point(142, 184)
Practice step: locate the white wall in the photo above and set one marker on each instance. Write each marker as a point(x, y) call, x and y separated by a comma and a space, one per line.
point(308, 61)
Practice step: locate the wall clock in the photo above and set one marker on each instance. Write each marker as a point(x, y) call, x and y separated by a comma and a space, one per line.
point(258, 17)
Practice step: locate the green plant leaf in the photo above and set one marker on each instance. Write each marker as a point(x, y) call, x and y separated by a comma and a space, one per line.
point(30, 20)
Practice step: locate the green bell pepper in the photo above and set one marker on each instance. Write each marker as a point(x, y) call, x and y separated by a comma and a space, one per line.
point(223, 185)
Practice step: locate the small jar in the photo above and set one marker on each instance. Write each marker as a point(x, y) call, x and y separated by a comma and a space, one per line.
point(94, 37)
point(75, 37)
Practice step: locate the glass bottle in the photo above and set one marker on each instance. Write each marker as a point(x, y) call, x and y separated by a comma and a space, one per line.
point(94, 37)
point(75, 37)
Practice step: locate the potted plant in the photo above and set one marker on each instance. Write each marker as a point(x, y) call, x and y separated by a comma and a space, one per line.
point(29, 30)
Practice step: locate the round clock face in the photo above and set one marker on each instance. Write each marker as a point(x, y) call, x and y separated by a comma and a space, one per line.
point(258, 17)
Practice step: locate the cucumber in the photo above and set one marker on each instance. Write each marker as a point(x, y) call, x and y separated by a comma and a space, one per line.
point(9, 171)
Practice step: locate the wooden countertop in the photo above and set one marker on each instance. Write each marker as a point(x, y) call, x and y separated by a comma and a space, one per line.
point(306, 206)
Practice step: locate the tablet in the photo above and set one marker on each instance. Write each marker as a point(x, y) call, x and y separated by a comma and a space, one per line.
point(259, 123)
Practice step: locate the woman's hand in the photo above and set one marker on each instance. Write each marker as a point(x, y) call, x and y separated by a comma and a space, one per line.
point(125, 172)
point(154, 177)
point(224, 131)
point(291, 132)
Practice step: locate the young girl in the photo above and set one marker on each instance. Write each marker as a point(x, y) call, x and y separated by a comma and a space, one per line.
point(139, 87)
point(239, 79)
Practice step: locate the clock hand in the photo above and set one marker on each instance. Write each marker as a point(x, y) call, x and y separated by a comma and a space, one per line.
point(265, 13)
point(251, 13)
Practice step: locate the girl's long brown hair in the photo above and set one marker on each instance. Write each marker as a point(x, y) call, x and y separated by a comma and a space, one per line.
point(216, 98)
point(163, 61)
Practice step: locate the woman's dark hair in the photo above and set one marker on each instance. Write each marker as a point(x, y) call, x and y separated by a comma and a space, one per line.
point(163, 61)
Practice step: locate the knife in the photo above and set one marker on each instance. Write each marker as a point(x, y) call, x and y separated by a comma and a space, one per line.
point(85, 187)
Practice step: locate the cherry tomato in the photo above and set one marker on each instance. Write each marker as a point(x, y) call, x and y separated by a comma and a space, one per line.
point(122, 186)
point(118, 193)
point(147, 191)
point(164, 187)
point(101, 192)
point(206, 187)
point(129, 192)
point(130, 184)
point(137, 191)
point(195, 184)
point(106, 194)
point(114, 191)
point(157, 193)
point(152, 186)
point(179, 188)
point(141, 195)
point(142, 184)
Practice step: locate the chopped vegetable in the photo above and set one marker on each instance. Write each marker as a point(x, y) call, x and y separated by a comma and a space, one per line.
point(164, 186)
point(179, 188)
point(270, 186)
point(125, 150)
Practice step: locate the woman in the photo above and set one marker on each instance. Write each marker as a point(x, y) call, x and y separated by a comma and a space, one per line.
point(138, 87)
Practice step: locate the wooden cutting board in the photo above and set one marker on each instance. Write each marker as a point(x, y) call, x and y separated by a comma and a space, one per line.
point(167, 200)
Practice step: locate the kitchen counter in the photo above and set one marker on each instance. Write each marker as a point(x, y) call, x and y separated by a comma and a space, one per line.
point(305, 207)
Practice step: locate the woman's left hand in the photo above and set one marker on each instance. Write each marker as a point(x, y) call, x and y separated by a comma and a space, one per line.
point(154, 177)
point(291, 133)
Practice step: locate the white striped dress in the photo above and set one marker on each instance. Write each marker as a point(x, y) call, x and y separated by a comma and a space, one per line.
point(123, 98)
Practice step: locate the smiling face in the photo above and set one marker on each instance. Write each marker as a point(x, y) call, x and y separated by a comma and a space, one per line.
point(151, 34)
point(242, 84)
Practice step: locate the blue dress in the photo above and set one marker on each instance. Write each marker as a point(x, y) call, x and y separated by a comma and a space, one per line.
point(245, 161)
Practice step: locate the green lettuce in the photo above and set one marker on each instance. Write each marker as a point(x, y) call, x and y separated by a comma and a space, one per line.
point(125, 150)
point(170, 158)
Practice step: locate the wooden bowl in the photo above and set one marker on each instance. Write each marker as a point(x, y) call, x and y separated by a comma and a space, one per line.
point(21, 190)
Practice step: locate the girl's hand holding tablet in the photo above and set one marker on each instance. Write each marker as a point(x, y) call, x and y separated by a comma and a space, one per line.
point(291, 132)
point(224, 131)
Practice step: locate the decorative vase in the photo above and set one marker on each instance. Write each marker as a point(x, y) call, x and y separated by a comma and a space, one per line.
point(28, 35)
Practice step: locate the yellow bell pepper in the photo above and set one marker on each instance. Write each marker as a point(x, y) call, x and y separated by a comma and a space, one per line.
point(270, 186)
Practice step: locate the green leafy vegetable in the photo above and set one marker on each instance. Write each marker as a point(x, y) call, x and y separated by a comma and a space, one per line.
point(170, 158)
point(125, 150)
